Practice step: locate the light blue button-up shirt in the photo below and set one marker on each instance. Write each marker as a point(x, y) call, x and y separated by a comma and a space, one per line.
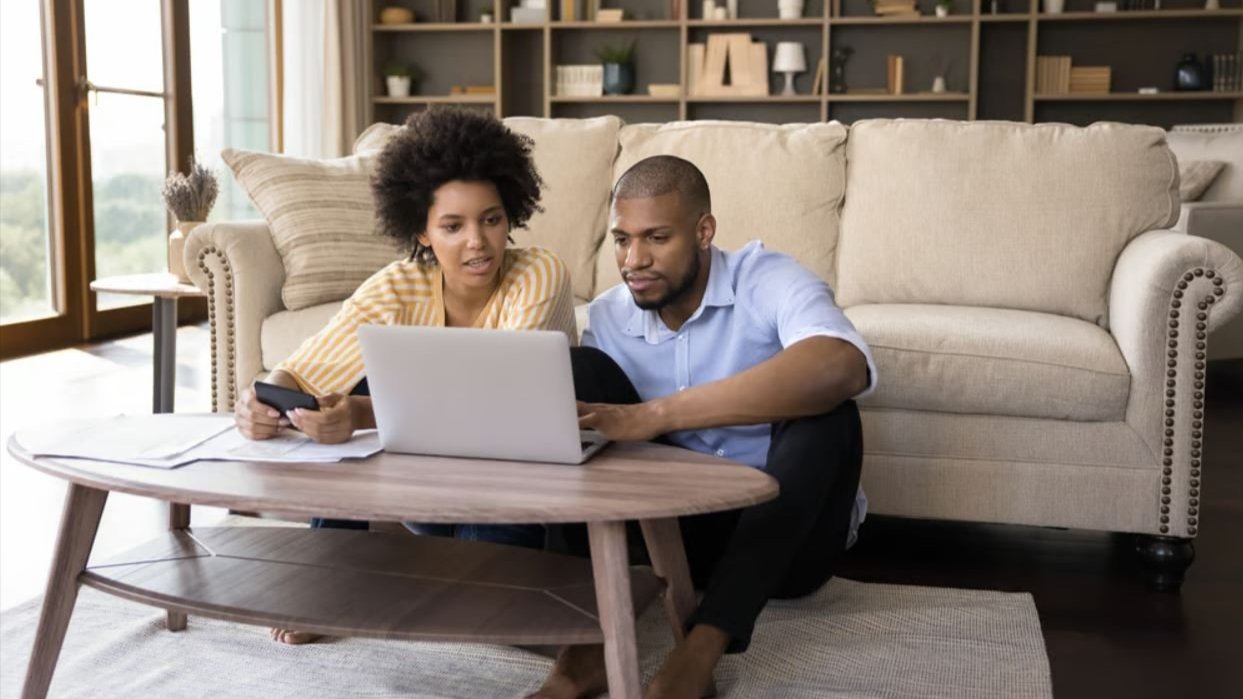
point(756, 304)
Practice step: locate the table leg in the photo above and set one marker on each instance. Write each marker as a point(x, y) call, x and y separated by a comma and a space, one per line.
point(164, 330)
point(664, 546)
point(78, 524)
point(178, 518)
point(164, 384)
point(610, 566)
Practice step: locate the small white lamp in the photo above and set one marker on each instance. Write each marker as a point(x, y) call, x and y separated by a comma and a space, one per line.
point(789, 59)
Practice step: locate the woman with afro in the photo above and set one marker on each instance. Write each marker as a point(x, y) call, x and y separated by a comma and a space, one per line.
point(449, 188)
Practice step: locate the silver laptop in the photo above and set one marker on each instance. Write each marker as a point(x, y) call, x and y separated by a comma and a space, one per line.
point(494, 394)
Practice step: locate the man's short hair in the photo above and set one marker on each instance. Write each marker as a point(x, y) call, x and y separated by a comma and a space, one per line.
point(661, 174)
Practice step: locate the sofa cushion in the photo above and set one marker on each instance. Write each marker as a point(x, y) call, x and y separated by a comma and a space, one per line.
point(997, 214)
point(575, 158)
point(1196, 176)
point(1221, 142)
point(322, 219)
point(283, 332)
point(779, 184)
point(992, 361)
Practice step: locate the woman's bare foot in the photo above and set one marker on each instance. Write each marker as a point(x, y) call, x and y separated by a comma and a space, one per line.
point(295, 638)
point(579, 672)
point(687, 672)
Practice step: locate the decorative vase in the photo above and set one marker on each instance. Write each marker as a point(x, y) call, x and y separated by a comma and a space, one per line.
point(943, 10)
point(938, 84)
point(733, 8)
point(1054, 7)
point(177, 249)
point(1212, 5)
point(398, 85)
point(790, 9)
point(1190, 74)
point(618, 78)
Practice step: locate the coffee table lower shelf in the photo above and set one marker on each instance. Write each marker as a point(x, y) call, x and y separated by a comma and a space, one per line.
point(355, 583)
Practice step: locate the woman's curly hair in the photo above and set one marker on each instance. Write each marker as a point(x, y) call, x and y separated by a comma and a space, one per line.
point(440, 145)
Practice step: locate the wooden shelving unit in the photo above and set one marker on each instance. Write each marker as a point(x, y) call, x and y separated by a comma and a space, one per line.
point(991, 59)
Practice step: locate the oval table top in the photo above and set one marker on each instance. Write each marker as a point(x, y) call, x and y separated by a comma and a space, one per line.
point(624, 481)
point(160, 284)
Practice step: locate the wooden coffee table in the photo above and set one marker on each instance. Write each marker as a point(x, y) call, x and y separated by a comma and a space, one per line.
point(354, 583)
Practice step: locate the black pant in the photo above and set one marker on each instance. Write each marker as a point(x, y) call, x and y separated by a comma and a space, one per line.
point(787, 547)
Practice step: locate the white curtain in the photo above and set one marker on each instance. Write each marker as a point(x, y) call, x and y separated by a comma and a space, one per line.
point(325, 85)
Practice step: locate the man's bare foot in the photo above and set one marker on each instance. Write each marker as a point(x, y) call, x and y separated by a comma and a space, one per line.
point(579, 672)
point(295, 638)
point(687, 672)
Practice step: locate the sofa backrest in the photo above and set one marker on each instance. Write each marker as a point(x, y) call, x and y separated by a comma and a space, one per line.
point(779, 184)
point(1022, 216)
point(1220, 142)
point(575, 159)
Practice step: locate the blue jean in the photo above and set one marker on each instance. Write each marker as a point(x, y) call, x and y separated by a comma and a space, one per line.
point(526, 535)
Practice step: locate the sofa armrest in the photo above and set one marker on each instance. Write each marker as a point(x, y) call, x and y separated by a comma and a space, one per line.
point(1169, 291)
point(1216, 220)
point(237, 265)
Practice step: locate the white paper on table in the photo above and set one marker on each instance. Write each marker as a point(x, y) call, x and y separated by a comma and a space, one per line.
point(128, 438)
point(169, 441)
point(289, 447)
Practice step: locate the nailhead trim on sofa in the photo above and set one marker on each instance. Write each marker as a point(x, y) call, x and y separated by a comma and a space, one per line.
point(229, 382)
point(1193, 280)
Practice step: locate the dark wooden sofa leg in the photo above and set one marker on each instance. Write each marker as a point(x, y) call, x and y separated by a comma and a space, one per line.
point(1165, 560)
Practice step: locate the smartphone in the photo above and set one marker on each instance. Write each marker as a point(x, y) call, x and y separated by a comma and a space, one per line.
point(284, 399)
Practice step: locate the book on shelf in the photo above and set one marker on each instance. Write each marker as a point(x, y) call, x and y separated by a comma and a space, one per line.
point(817, 85)
point(1053, 75)
point(1090, 80)
point(895, 74)
point(580, 80)
point(1227, 75)
point(610, 16)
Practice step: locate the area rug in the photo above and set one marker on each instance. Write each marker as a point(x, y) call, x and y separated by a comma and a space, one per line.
point(849, 640)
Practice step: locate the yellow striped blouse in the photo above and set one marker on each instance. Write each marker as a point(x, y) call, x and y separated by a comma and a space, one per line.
point(534, 294)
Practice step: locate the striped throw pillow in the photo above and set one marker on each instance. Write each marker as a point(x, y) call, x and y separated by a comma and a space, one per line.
point(322, 219)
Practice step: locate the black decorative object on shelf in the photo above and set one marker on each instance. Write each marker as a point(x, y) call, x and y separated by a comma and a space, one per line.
point(618, 64)
point(1190, 74)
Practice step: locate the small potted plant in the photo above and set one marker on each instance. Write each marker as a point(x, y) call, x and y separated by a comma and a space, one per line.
point(944, 7)
point(189, 197)
point(400, 78)
point(618, 67)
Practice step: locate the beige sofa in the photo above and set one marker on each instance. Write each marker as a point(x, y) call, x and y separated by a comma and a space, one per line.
point(1218, 213)
point(1040, 335)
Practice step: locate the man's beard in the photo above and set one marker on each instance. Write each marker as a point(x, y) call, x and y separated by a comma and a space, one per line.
point(676, 292)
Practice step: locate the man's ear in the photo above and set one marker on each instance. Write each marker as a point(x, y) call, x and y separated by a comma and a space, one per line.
point(706, 231)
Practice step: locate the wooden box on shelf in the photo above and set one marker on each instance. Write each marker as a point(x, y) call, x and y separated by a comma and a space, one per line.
point(1053, 75)
point(746, 61)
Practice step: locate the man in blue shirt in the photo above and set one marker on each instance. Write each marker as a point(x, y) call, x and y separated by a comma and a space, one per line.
point(743, 355)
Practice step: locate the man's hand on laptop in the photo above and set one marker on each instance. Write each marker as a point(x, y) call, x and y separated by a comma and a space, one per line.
point(639, 422)
point(333, 423)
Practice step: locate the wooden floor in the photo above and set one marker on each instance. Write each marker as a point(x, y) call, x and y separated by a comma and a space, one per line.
point(1107, 634)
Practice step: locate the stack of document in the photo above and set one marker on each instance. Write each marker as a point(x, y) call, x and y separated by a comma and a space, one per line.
point(169, 441)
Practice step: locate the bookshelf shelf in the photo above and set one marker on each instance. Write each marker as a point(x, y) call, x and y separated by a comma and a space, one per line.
point(923, 20)
point(1137, 97)
point(915, 97)
point(1139, 15)
point(437, 99)
point(625, 24)
point(755, 22)
point(434, 27)
point(770, 99)
point(990, 58)
point(615, 99)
